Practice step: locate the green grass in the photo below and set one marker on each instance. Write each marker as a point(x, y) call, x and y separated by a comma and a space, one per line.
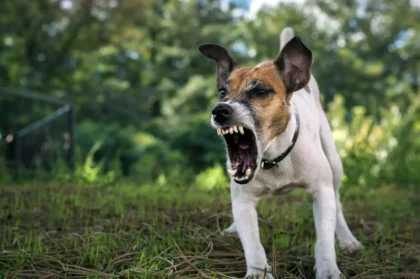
point(68, 231)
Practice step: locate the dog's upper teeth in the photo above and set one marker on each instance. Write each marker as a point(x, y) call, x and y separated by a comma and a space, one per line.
point(232, 172)
point(232, 130)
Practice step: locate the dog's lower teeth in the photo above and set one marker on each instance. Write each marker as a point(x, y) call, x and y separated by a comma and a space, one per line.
point(238, 178)
point(248, 172)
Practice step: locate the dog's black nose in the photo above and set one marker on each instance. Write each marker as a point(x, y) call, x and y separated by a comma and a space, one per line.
point(221, 113)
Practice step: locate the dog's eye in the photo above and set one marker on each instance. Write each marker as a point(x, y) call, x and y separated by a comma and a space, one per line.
point(222, 92)
point(259, 92)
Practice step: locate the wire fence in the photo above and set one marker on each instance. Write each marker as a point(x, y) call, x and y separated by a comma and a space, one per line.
point(41, 133)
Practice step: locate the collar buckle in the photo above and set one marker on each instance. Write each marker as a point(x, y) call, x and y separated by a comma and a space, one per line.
point(267, 164)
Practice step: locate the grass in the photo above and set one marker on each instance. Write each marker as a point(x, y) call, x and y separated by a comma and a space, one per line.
point(69, 231)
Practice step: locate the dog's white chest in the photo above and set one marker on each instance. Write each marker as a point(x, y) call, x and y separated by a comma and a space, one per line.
point(278, 180)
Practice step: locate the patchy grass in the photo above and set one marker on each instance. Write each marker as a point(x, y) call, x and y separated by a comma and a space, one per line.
point(68, 231)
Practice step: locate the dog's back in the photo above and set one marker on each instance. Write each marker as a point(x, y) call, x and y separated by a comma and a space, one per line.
point(325, 133)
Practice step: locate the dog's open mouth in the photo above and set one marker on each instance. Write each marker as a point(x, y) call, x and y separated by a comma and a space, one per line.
point(242, 150)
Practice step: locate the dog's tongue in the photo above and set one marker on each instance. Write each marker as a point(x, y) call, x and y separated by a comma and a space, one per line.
point(245, 158)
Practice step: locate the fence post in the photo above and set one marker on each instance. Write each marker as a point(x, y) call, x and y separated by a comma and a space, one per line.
point(19, 155)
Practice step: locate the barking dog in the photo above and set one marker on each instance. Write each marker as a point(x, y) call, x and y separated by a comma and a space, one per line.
point(278, 138)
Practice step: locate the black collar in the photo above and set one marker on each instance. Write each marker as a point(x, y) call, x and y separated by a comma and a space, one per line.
point(268, 164)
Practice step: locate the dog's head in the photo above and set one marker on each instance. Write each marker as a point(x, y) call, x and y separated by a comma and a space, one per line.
point(253, 103)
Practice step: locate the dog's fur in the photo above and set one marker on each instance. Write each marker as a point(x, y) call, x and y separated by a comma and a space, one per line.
point(313, 163)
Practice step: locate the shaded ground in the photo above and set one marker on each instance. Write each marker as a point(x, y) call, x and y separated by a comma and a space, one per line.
point(67, 231)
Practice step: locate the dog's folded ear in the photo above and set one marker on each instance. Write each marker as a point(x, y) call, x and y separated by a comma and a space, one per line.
point(224, 61)
point(294, 63)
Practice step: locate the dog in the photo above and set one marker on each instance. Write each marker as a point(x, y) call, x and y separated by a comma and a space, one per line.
point(278, 138)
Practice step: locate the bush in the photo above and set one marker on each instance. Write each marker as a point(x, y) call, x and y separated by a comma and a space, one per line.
point(376, 151)
point(110, 150)
point(116, 144)
point(185, 150)
point(157, 160)
point(213, 178)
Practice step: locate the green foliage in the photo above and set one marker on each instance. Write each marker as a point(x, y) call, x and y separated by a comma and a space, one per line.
point(143, 90)
point(5, 175)
point(92, 172)
point(404, 159)
point(117, 143)
point(88, 170)
point(377, 151)
point(212, 179)
point(157, 161)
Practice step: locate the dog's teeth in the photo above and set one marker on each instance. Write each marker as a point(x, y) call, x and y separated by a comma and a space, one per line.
point(231, 130)
point(235, 129)
point(219, 132)
point(225, 132)
point(241, 130)
point(248, 172)
point(232, 172)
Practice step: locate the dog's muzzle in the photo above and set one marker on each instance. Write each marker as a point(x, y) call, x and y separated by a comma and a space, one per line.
point(240, 141)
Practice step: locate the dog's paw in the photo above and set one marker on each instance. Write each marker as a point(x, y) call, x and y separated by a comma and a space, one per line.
point(351, 245)
point(231, 231)
point(328, 272)
point(259, 275)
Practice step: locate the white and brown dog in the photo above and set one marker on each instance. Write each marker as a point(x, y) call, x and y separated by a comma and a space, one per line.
point(278, 138)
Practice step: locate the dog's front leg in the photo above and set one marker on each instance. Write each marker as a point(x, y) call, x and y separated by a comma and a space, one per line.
point(324, 208)
point(246, 222)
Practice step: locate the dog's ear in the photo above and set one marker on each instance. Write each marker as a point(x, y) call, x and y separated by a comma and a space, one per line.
point(224, 61)
point(294, 63)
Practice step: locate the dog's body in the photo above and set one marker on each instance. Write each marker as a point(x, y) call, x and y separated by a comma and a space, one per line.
point(312, 164)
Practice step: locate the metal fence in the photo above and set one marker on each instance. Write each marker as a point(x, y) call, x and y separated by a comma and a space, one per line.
point(38, 139)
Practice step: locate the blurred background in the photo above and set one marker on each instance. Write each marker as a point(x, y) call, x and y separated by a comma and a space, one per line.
point(100, 91)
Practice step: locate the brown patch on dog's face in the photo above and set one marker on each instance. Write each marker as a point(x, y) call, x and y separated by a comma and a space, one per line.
point(263, 91)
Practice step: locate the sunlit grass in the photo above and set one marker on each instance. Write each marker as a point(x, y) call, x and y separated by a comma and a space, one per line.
point(151, 231)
